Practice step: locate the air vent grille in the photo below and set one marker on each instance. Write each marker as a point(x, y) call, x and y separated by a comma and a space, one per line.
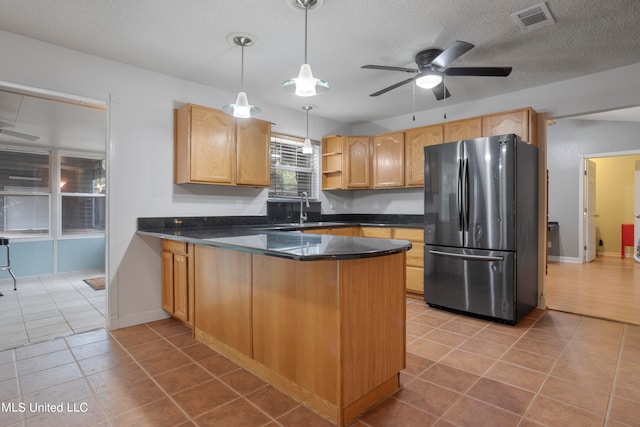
point(533, 17)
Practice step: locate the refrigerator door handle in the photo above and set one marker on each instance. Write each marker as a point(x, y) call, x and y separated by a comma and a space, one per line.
point(460, 195)
point(470, 257)
point(465, 184)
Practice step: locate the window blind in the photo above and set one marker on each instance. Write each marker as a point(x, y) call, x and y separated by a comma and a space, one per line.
point(293, 171)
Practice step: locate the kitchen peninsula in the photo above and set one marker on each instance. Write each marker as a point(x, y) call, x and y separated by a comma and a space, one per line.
point(320, 317)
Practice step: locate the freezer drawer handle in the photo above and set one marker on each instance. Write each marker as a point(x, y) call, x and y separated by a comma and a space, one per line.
point(472, 257)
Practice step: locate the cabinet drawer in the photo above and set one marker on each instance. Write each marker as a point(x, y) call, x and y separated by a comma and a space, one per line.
point(411, 234)
point(415, 255)
point(415, 279)
point(379, 232)
point(317, 231)
point(174, 246)
point(345, 231)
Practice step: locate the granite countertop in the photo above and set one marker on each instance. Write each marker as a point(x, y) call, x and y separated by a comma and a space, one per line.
point(284, 241)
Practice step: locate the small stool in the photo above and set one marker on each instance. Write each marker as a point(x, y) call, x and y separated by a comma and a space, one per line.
point(4, 241)
point(626, 238)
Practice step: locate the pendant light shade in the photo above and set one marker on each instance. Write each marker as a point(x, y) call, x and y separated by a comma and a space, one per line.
point(242, 108)
point(305, 84)
point(307, 148)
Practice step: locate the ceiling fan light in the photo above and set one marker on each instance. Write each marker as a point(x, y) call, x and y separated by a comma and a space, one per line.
point(307, 148)
point(241, 109)
point(429, 80)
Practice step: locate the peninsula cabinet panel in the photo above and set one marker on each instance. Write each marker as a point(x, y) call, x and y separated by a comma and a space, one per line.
point(223, 303)
point(372, 324)
point(521, 122)
point(388, 160)
point(415, 141)
point(357, 162)
point(296, 322)
point(253, 146)
point(463, 129)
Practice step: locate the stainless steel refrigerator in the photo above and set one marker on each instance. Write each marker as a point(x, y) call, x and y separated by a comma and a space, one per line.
point(481, 227)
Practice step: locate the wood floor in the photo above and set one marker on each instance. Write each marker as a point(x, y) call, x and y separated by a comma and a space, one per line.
point(608, 288)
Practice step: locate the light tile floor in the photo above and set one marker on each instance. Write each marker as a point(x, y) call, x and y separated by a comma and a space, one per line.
point(47, 307)
point(552, 369)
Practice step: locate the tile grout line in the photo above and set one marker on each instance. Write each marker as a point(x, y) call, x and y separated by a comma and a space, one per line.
point(615, 375)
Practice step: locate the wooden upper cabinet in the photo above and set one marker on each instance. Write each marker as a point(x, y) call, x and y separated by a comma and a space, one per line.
point(388, 160)
point(357, 162)
point(463, 129)
point(521, 122)
point(332, 163)
point(415, 140)
point(253, 146)
point(210, 146)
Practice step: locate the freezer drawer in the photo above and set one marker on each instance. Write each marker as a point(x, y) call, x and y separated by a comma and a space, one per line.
point(471, 280)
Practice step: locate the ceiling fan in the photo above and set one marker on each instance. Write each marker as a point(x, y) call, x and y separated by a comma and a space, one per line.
point(431, 69)
point(14, 133)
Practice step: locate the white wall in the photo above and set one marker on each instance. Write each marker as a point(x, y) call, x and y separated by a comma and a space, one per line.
point(140, 157)
point(569, 142)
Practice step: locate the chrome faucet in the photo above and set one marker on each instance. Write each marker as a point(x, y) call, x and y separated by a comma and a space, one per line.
point(303, 215)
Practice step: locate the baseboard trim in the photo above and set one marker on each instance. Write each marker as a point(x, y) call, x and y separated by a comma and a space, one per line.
point(137, 319)
point(572, 260)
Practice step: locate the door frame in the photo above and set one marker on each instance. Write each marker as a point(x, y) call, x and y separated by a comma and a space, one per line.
point(582, 189)
point(110, 155)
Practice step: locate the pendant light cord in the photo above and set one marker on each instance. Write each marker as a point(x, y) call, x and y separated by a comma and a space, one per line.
point(306, 10)
point(242, 66)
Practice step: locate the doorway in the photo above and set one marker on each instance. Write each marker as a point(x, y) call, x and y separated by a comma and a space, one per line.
point(609, 199)
point(58, 144)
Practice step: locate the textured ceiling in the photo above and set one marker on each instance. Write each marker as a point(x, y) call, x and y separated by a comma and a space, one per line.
point(187, 39)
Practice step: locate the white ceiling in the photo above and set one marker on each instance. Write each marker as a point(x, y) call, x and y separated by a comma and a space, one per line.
point(187, 39)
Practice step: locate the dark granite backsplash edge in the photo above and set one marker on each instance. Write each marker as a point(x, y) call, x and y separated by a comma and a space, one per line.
point(173, 223)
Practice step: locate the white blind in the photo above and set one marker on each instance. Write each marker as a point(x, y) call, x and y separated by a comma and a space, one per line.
point(292, 171)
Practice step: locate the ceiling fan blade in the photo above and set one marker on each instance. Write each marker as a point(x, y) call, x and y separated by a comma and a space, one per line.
point(441, 92)
point(20, 135)
point(387, 89)
point(478, 71)
point(384, 67)
point(451, 53)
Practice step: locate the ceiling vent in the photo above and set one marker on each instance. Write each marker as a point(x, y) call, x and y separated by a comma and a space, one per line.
point(533, 17)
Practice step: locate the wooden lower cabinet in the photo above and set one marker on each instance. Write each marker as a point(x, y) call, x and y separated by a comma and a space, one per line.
point(330, 333)
point(177, 280)
point(415, 258)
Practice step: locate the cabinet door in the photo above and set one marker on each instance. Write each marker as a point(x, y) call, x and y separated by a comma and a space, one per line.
point(181, 287)
point(463, 129)
point(510, 122)
point(253, 145)
point(388, 160)
point(357, 161)
point(415, 141)
point(167, 281)
point(212, 150)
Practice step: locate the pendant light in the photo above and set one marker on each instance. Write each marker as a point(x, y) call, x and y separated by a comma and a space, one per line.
point(307, 148)
point(305, 84)
point(242, 108)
